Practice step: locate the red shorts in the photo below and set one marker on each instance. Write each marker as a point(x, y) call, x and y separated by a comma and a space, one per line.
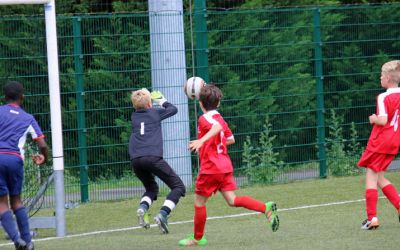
point(375, 161)
point(207, 184)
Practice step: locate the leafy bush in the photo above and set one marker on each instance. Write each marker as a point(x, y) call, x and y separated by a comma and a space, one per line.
point(261, 164)
point(342, 162)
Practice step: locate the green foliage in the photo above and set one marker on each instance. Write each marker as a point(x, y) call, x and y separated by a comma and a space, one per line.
point(340, 161)
point(261, 163)
point(262, 59)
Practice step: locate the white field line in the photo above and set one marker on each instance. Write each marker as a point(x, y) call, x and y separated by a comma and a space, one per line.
point(191, 221)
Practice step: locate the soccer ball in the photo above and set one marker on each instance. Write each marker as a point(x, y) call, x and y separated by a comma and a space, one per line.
point(192, 87)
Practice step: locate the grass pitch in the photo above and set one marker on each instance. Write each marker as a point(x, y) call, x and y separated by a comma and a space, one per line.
point(328, 226)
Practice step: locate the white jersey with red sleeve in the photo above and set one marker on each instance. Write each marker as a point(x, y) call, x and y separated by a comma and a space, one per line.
point(386, 139)
point(214, 158)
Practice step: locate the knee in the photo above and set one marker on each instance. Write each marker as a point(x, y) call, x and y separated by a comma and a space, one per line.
point(15, 202)
point(182, 189)
point(231, 202)
point(179, 190)
point(16, 205)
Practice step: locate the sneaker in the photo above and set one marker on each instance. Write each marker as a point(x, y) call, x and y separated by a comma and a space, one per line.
point(20, 244)
point(372, 224)
point(30, 246)
point(271, 215)
point(191, 241)
point(143, 218)
point(162, 222)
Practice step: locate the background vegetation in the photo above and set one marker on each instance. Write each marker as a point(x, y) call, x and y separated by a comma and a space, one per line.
point(261, 54)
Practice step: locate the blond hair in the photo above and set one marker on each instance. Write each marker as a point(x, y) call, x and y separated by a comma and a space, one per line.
point(140, 98)
point(392, 69)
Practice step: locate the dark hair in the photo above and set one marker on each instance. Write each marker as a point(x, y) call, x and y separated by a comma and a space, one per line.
point(210, 96)
point(13, 91)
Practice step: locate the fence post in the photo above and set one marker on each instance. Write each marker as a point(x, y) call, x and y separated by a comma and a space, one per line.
point(200, 14)
point(80, 102)
point(320, 92)
point(168, 74)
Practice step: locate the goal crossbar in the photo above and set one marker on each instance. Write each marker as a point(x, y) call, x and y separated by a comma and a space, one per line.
point(15, 2)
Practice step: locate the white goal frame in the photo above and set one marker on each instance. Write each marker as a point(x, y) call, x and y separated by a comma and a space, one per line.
point(55, 107)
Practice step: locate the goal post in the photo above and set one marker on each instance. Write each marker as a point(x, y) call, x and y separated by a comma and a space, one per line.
point(55, 107)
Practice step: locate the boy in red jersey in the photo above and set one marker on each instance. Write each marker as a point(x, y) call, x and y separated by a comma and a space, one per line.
point(383, 144)
point(216, 171)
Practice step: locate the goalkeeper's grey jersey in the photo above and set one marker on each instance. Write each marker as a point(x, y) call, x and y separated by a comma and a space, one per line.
point(146, 137)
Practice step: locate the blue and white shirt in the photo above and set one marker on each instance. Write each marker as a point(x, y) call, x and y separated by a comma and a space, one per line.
point(15, 124)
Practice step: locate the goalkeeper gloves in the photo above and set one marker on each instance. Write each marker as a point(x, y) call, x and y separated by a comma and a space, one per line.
point(158, 97)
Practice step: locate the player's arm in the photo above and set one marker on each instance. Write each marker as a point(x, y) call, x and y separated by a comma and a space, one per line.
point(196, 144)
point(378, 120)
point(381, 116)
point(168, 110)
point(43, 149)
point(230, 141)
point(38, 137)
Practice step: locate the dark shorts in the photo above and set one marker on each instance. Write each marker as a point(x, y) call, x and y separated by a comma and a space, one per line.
point(11, 174)
point(147, 167)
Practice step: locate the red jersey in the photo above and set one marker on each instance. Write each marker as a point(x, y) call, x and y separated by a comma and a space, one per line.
point(214, 158)
point(386, 139)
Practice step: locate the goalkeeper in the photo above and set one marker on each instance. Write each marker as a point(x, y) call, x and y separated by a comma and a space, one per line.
point(146, 154)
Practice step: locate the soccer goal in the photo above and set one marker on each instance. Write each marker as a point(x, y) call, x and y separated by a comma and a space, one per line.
point(55, 108)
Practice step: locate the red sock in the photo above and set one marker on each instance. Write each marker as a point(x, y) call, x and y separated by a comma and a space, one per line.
point(391, 193)
point(249, 203)
point(200, 217)
point(371, 200)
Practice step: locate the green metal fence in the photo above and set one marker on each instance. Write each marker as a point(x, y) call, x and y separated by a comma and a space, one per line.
point(298, 83)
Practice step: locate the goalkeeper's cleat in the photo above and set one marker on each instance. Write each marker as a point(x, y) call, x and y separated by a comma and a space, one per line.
point(191, 241)
point(369, 225)
point(143, 218)
point(271, 215)
point(162, 222)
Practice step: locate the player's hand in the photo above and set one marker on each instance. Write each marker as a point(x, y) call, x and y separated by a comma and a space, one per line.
point(38, 159)
point(158, 97)
point(372, 118)
point(195, 145)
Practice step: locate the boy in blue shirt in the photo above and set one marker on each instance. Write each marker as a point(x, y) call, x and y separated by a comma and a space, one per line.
point(15, 124)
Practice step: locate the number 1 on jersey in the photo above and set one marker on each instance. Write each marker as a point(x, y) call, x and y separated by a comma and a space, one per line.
point(142, 128)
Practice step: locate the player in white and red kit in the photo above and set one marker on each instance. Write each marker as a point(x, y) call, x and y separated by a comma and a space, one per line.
point(383, 144)
point(216, 171)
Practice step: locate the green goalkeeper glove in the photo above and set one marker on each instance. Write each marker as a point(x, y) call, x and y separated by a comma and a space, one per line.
point(158, 97)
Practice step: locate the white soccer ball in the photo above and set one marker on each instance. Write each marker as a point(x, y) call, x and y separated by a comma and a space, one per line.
point(192, 87)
